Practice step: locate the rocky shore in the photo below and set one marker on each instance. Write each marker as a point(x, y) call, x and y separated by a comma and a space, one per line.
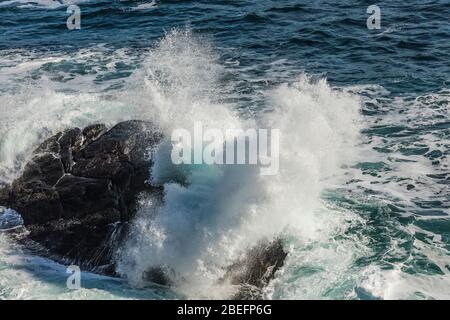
point(79, 190)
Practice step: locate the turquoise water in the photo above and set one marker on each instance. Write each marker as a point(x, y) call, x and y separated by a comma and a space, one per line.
point(362, 199)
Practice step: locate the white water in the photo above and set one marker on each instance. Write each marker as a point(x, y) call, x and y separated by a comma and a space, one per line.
point(224, 210)
point(26, 276)
point(221, 211)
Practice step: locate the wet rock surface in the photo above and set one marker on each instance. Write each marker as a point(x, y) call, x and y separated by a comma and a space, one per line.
point(78, 192)
point(80, 186)
point(254, 272)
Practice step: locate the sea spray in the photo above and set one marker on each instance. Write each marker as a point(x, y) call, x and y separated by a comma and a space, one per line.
point(382, 233)
point(212, 214)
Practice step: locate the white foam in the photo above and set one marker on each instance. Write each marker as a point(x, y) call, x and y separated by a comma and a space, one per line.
point(218, 212)
point(395, 284)
point(209, 222)
point(28, 277)
point(33, 109)
point(145, 6)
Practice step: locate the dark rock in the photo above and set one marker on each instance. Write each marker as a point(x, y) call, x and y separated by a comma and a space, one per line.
point(45, 168)
point(80, 188)
point(158, 275)
point(248, 292)
point(252, 273)
point(410, 187)
point(69, 140)
point(5, 194)
point(83, 197)
point(37, 205)
point(84, 242)
point(92, 132)
point(49, 145)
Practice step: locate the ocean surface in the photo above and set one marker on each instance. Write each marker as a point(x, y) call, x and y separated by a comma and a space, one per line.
point(362, 199)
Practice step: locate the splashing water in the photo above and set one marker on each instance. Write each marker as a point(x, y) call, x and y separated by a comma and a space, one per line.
point(361, 199)
point(223, 210)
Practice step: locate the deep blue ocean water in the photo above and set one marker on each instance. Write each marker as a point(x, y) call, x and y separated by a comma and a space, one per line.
point(384, 227)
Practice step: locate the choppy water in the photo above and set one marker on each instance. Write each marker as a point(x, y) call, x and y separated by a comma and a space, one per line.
point(362, 198)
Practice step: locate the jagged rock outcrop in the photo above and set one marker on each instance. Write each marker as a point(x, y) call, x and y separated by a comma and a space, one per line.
point(79, 190)
point(81, 186)
point(254, 272)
